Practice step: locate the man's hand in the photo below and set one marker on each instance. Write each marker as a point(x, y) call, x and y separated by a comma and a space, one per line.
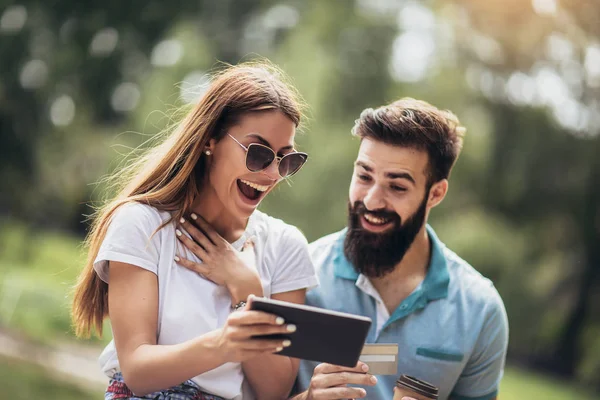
point(330, 382)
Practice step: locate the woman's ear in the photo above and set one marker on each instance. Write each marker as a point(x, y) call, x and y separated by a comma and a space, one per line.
point(209, 149)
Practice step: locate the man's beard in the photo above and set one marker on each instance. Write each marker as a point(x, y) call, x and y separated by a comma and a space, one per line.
point(376, 254)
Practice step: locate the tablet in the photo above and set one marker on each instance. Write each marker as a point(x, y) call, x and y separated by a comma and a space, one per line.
point(321, 335)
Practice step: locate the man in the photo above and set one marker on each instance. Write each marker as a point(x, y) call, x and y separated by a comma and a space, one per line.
point(388, 264)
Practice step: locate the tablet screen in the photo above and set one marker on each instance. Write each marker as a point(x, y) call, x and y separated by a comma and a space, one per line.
point(321, 335)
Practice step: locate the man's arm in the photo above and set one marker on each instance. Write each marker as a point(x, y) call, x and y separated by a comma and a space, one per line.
point(481, 377)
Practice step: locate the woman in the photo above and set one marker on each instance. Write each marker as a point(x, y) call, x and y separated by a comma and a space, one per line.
point(192, 201)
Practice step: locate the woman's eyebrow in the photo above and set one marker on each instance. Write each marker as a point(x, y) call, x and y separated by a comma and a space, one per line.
point(266, 143)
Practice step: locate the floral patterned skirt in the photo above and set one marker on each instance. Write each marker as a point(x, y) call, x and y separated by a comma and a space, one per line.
point(117, 389)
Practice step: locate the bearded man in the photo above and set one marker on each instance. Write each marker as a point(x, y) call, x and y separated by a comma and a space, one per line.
point(388, 264)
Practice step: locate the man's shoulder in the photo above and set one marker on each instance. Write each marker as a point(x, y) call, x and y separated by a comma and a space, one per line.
point(472, 285)
point(325, 247)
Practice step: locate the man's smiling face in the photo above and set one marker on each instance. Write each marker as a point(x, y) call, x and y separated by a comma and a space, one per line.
point(387, 205)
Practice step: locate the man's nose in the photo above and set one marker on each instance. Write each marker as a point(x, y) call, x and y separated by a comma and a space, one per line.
point(374, 200)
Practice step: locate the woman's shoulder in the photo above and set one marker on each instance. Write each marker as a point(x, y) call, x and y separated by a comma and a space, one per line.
point(140, 214)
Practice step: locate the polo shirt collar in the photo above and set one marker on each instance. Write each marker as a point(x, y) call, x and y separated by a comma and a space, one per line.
point(435, 284)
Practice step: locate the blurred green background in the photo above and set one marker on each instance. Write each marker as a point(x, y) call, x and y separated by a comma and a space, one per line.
point(84, 83)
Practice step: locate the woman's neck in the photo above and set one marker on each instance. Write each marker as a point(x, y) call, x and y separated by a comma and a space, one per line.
point(209, 207)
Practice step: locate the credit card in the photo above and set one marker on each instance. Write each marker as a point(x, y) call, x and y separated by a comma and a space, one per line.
point(382, 358)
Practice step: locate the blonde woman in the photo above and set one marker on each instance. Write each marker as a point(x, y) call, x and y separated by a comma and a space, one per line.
point(174, 257)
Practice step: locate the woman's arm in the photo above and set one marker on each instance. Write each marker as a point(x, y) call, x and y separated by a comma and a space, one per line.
point(272, 376)
point(148, 367)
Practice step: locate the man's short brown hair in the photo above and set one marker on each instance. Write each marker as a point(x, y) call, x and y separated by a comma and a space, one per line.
point(415, 123)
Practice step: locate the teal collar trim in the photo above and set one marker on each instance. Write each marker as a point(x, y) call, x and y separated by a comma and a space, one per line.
point(342, 267)
point(434, 286)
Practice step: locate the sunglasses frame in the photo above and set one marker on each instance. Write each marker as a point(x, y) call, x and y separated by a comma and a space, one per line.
point(276, 158)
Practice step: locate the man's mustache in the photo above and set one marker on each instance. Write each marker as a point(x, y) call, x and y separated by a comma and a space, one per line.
point(359, 208)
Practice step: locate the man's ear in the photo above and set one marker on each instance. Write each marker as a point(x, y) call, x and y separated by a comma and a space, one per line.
point(437, 193)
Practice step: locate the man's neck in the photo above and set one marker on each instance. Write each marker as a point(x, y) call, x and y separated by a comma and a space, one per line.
point(395, 286)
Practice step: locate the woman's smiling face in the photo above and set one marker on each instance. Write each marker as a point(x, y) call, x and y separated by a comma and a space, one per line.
point(239, 190)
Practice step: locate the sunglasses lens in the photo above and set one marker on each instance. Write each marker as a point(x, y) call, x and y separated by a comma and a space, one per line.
point(259, 157)
point(291, 163)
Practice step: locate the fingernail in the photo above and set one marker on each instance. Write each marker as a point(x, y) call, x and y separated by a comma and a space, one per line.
point(365, 367)
point(177, 232)
point(279, 321)
point(279, 349)
point(373, 379)
point(287, 343)
point(181, 220)
point(291, 328)
point(194, 216)
point(176, 258)
point(408, 398)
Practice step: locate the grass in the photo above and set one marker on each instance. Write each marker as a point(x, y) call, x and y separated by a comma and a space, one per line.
point(23, 381)
point(520, 384)
point(37, 272)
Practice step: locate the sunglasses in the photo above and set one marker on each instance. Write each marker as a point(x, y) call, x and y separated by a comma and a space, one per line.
point(259, 157)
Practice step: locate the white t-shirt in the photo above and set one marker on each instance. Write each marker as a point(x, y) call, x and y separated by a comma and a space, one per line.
point(190, 305)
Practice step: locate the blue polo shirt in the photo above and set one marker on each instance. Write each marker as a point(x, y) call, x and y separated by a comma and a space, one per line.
point(451, 331)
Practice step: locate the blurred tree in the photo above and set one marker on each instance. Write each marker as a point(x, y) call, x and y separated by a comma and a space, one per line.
point(545, 174)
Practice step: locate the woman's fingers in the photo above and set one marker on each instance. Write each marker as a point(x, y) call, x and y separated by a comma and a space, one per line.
point(249, 317)
point(273, 345)
point(207, 229)
point(244, 332)
point(193, 266)
point(198, 250)
point(197, 234)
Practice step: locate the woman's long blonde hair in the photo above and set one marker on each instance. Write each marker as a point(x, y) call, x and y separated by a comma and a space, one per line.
point(168, 176)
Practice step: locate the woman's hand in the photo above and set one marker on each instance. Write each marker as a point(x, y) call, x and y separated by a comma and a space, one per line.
point(236, 342)
point(221, 263)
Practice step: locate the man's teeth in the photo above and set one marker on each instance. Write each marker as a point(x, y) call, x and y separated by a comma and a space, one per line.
point(375, 220)
point(260, 188)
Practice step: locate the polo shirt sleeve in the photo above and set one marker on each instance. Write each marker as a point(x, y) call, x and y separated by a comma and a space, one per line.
point(295, 269)
point(131, 239)
point(481, 377)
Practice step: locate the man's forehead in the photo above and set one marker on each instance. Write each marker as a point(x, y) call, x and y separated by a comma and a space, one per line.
point(379, 155)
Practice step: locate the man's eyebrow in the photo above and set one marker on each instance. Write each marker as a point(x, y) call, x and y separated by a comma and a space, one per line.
point(264, 141)
point(400, 175)
point(389, 175)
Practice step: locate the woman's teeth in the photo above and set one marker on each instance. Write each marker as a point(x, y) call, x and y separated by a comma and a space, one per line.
point(375, 220)
point(260, 188)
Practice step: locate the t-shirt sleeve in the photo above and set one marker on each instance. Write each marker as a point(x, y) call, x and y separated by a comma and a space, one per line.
point(295, 269)
point(130, 239)
point(481, 377)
